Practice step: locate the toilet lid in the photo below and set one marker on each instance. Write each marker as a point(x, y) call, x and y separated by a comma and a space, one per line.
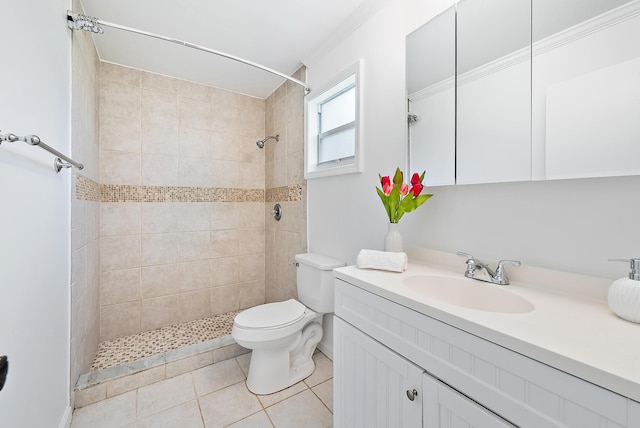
point(271, 315)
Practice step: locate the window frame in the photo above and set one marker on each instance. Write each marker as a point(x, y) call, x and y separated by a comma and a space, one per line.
point(335, 87)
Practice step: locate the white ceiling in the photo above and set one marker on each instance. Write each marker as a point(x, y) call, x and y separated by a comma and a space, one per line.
point(277, 34)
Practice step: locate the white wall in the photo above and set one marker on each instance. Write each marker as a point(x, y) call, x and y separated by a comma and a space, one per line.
point(34, 214)
point(572, 225)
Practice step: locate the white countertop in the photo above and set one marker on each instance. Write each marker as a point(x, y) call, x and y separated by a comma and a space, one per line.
point(571, 327)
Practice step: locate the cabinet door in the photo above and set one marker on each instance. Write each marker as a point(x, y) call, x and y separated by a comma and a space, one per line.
point(371, 383)
point(444, 407)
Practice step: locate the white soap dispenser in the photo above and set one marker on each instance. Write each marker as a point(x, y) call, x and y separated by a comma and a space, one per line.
point(624, 293)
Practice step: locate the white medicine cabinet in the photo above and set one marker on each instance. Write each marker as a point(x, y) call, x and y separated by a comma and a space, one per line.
point(517, 90)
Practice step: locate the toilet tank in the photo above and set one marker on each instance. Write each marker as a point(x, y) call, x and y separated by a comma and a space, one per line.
point(314, 278)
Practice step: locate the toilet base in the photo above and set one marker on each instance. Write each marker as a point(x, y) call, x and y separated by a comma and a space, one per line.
point(272, 370)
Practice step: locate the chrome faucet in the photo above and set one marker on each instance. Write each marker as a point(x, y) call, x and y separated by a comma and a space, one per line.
point(482, 272)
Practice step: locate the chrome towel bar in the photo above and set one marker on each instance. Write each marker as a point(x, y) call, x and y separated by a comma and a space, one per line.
point(61, 160)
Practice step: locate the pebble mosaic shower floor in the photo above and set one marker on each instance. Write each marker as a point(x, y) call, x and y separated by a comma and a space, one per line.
point(123, 350)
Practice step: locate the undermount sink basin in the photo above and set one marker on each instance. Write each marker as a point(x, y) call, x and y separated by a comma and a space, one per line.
point(469, 293)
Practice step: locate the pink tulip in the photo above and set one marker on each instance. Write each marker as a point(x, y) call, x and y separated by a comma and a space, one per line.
point(387, 188)
point(404, 189)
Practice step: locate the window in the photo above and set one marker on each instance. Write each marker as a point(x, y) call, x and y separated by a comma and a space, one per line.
point(332, 128)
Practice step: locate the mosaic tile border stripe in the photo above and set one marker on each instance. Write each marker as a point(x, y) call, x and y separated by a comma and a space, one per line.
point(87, 189)
point(130, 193)
point(292, 192)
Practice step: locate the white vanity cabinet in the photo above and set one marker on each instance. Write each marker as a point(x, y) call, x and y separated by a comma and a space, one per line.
point(375, 387)
point(445, 407)
point(373, 383)
point(382, 349)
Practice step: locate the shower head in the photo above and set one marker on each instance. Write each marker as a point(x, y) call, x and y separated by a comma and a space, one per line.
point(264, 140)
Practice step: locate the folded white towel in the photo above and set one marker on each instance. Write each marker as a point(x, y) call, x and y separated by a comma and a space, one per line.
point(382, 260)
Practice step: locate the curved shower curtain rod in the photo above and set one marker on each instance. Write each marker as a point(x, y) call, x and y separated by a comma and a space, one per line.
point(77, 21)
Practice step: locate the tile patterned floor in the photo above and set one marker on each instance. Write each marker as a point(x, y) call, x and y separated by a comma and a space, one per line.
point(217, 396)
point(123, 350)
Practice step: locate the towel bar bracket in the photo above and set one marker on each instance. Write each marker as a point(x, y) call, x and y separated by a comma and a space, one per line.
point(61, 161)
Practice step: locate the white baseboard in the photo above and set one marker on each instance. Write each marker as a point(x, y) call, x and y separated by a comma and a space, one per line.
point(65, 422)
point(326, 350)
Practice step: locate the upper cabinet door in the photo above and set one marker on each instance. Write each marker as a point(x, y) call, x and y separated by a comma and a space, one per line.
point(431, 69)
point(586, 88)
point(493, 131)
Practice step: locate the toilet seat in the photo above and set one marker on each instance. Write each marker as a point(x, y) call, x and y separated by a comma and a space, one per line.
point(271, 315)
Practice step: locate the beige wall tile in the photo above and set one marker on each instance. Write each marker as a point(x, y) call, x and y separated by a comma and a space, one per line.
point(159, 139)
point(194, 114)
point(252, 294)
point(225, 118)
point(224, 243)
point(194, 305)
point(119, 252)
point(194, 246)
point(160, 217)
point(220, 145)
point(224, 271)
point(159, 83)
point(119, 218)
point(119, 286)
point(194, 275)
point(225, 215)
point(159, 249)
point(194, 91)
point(194, 216)
point(158, 281)
point(116, 73)
point(225, 298)
point(160, 108)
point(119, 133)
point(78, 265)
point(252, 214)
point(119, 320)
point(119, 167)
point(194, 143)
point(161, 131)
point(119, 100)
point(195, 172)
point(252, 241)
point(159, 312)
point(159, 170)
point(252, 267)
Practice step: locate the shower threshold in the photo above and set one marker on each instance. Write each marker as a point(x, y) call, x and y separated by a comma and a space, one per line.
point(129, 362)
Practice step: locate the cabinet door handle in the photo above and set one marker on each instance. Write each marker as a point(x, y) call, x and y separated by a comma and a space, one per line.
point(412, 394)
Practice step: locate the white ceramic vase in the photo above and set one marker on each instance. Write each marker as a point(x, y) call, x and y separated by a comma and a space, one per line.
point(393, 239)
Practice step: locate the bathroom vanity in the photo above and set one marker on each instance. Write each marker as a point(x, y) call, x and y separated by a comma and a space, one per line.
point(545, 351)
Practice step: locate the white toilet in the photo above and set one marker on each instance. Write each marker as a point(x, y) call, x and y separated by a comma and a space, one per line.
point(284, 335)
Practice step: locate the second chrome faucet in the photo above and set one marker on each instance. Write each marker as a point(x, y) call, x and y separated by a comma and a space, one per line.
point(482, 272)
